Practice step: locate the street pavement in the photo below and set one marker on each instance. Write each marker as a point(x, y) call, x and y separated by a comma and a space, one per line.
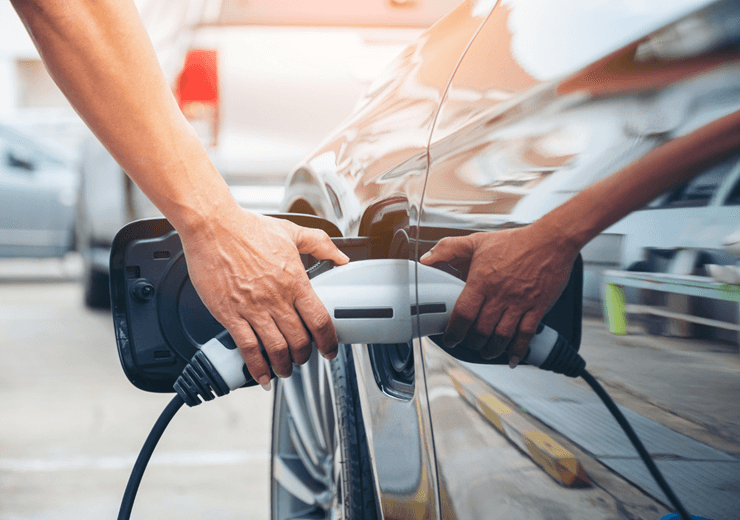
point(71, 424)
point(682, 397)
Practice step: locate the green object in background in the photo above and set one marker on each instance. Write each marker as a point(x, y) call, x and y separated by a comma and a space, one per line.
point(614, 301)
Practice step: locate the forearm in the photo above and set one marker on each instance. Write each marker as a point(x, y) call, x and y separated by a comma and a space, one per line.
point(577, 221)
point(100, 56)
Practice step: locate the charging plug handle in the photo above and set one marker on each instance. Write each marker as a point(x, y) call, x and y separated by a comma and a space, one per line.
point(217, 368)
point(371, 302)
point(550, 351)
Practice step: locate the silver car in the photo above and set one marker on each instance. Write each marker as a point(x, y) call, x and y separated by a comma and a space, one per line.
point(38, 198)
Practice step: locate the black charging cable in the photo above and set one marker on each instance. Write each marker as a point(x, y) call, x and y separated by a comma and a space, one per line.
point(646, 458)
point(201, 380)
point(564, 359)
point(145, 454)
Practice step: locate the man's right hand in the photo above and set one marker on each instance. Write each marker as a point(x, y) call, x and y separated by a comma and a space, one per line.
point(515, 277)
point(247, 270)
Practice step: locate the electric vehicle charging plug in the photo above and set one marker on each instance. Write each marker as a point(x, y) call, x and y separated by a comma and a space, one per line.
point(370, 301)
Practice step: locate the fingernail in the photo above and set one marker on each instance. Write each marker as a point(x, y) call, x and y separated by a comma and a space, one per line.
point(344, 256)
point(330, 355)
point(264, 382)
point(425, 255)
point(514, 361)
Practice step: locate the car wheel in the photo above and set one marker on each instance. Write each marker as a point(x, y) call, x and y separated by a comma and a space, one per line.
point(320, 460)
point(97, 289)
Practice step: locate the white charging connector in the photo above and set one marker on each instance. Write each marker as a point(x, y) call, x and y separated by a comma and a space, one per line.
point(369, 301)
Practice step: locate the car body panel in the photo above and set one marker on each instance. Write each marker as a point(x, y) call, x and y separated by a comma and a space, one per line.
point(381, 148)
point(497, 460)
point(666, 227)
point(522, 129)
point(405, 472)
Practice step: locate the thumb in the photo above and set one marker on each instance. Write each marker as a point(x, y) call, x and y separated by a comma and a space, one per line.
point(317, 243)
point(448, 249)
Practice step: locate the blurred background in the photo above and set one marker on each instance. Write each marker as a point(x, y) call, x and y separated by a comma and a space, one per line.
point(71, 424)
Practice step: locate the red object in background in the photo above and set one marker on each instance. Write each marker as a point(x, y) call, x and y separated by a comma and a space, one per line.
point(197, 93)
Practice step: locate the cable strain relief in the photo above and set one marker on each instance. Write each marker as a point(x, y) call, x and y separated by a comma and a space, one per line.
point(200, 380)
point(564, 359)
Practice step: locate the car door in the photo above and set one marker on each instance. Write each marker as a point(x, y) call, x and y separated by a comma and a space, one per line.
point(527, 123)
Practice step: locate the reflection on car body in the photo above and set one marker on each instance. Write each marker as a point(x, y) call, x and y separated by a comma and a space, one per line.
point(497, 114)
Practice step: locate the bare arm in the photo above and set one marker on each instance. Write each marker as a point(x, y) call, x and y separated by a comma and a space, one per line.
point(245, 267)
point(517, 275)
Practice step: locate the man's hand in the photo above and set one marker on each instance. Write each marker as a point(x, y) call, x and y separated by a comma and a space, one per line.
point(515, 277)
point(247, 270)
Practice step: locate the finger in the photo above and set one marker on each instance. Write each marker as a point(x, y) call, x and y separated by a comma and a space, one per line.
point(275, 346)
point(481, 331)
point(448, 249)
point(520, 345)
point(502, 335)
point(317, 243)
point(463, 315)
point(251, 351)
point(318, 322)
point(295, 333)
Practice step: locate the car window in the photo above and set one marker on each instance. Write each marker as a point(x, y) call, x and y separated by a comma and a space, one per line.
point(20, 151)
point(383, 13)
point(700, 190)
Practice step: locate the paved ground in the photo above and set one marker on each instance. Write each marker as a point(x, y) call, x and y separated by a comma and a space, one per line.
point(681, 396)
point(72, 424)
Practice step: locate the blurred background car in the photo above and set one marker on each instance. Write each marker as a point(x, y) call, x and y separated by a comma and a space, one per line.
point(681, 232)
point(261, 82)
point(497, 114)
point(38, 197)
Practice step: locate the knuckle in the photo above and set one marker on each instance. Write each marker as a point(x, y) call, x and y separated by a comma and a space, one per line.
point(277, 350)
point(485, 328)
point(255, 362)
point(529, 326)
point(466, 311)
point(506, 328)
point(246, 343)
point(323, 324)
point(505, 333)
point(479, 332)
point(301, 353)
point(321, 236)
point(279, 356)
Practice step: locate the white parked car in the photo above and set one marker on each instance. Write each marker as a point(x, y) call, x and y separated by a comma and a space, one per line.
point(262, 82)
